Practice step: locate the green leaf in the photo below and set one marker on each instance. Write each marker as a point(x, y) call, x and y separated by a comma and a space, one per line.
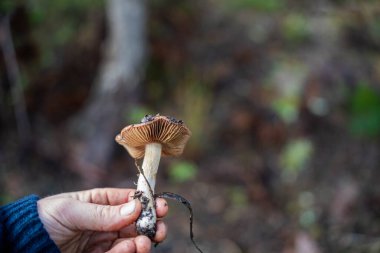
point(295, 28)
point(182, 171)
point(287, 108)
point(296, 154)
point(365, 112)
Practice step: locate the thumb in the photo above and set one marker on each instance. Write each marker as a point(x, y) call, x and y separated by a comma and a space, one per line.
point(88, 216)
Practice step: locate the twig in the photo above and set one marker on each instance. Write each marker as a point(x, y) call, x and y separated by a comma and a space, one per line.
point(13, 73)
point(179, 198)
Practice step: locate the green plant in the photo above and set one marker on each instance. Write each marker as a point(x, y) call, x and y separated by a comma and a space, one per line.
point(295, 28)
point(294, 157)
point(182, 171)
point(55, 23)
point(259, 5)
point(364, 112)
point(6, 6)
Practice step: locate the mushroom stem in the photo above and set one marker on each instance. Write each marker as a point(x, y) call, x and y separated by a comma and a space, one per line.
point(146, 223)
point(150, 165)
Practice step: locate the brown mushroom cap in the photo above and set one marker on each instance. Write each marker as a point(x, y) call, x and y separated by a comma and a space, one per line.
point(172, 134)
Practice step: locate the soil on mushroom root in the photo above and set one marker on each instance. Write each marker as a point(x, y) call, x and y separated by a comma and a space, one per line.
point(146, 215)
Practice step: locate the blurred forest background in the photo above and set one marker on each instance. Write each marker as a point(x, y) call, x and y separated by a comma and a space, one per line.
point(282, 97)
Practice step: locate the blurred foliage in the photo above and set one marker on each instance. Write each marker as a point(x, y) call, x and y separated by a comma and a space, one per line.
point(137, 113)
point(238, 196)
point(259, 5)
point(175, 84)
point(72, 11)
point(294, 157)
point(365, 111)
point(295, 29)
point(287, 108)
point(55, 23)
point(306, 200)
point(362, 26)
point(318, 106)
point(307, 216)
point(6, 6)
point(194, 100)
point(182, 171)
point(286, 84)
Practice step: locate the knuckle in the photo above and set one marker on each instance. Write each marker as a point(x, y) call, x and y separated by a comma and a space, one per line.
point(108, 218)
point(95, 195)
point(102, 214)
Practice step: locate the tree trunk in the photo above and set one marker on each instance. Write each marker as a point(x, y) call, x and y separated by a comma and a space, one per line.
point(115, 91)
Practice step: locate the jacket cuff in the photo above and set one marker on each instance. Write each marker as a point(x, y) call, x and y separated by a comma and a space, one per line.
point(23, 229)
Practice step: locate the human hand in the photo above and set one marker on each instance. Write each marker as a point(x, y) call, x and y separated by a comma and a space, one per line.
point(98, 220)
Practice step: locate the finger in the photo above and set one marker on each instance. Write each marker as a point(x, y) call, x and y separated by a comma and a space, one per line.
point(88, 216)
point(130, 232)
point(112, 196)
point(162, 207)
point(105, 196)
point(161, 232)
point(123, 246)
point(102, 196)
point(143, 244)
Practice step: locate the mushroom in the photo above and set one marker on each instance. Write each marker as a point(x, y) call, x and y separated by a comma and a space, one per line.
point(153, 137)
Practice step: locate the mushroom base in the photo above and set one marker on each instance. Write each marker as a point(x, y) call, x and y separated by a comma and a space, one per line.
point(146, 223)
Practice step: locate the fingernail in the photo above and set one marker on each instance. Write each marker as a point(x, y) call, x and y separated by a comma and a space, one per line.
point(128, 208)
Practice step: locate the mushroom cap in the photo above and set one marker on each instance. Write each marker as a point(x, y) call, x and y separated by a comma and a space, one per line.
point(172, 134)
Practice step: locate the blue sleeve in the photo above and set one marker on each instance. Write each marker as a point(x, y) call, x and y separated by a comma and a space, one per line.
point(21, 229)
point(1, 238)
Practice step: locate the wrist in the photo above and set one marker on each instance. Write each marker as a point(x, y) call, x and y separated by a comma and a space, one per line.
point(23, 227)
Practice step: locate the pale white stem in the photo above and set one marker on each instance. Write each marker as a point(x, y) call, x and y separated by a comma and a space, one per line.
point(150, 167)
point(146, 223)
